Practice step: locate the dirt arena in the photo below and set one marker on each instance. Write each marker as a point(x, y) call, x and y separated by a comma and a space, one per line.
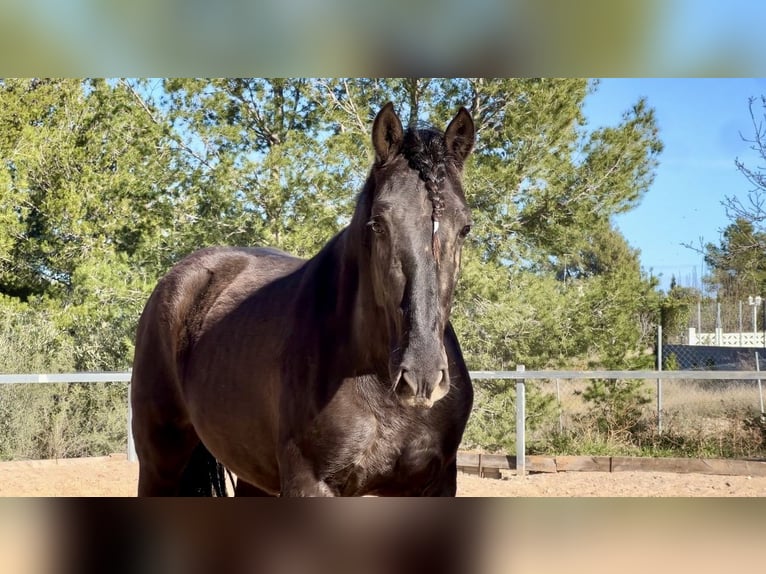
point(115, 476)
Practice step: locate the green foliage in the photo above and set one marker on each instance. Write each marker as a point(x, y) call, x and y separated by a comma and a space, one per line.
point(738, 264)
point(586, 440)
point(492, 425)
point(103, 306)
point(616, 406)
point(261, 164)
point(506, 319)
point(31, 341)
point(82, 171)
point(675, 310)
point(671, 362)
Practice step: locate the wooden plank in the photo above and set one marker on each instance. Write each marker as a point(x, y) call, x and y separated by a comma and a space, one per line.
point(467, 459)
point(539, 463)
point(634, 464)
point(489, 472)
point(735, 467)
point(494, 463)
point(583, 463)
point(477, 463)
point(686, 465)
point(498, 461)
point(534, 463)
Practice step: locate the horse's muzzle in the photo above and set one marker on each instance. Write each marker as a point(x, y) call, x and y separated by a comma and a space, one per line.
point(421, 389)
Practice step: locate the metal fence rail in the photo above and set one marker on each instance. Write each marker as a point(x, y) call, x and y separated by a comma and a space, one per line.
point(520, 376)
point(682, 375)
point(116, 377)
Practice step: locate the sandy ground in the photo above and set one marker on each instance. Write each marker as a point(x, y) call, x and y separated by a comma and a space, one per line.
point(115, 476)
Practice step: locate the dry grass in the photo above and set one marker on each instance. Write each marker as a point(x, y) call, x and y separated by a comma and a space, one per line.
point(690, 397)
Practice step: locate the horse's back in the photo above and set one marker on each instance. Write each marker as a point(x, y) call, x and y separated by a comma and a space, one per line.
point(196, 290)
point(200, 278)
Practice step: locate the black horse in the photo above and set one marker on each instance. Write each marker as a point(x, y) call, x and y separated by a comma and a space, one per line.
point(340, 375)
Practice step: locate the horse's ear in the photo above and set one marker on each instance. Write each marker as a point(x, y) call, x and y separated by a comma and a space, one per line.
point(387, 134)
point(460, 135)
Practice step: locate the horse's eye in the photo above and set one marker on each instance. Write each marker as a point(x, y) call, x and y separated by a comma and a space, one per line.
point(465, 231)
point(377, 227)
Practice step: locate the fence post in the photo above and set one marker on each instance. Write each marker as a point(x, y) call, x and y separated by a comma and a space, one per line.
point(521, 462)
point(659, 381)
point(132, 457)
point(740, 322)
point(760, 387)
point(718, 325)
point(699, 316)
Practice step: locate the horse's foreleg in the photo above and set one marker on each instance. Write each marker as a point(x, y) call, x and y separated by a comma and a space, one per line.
point(297, 476)
point(447, 484)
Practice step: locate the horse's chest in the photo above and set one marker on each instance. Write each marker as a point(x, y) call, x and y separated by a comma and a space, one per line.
point(389, 459)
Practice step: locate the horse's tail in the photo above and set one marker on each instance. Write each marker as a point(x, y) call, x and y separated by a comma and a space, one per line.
point(204, 475)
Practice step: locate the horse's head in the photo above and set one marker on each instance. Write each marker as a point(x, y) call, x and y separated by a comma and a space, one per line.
point(417, 221)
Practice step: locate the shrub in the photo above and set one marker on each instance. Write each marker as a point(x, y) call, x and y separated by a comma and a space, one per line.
point(40, 421)
point(616, 406)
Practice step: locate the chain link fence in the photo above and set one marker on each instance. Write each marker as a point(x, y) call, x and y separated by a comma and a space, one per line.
point(712, 358)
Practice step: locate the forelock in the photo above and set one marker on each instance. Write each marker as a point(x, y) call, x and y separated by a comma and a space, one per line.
point(426, 153)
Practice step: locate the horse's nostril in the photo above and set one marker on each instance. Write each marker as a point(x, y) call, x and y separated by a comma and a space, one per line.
point(419, 389)
point(411, 388)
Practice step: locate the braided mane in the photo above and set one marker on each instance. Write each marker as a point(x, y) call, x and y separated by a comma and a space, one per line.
point(427, 153)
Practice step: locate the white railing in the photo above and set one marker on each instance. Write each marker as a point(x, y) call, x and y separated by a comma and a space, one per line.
point(719, 338)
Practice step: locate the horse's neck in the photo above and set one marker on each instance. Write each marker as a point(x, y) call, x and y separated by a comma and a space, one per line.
point(358, 322)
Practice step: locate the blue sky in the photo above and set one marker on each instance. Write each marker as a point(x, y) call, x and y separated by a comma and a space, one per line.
point(700, 122)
